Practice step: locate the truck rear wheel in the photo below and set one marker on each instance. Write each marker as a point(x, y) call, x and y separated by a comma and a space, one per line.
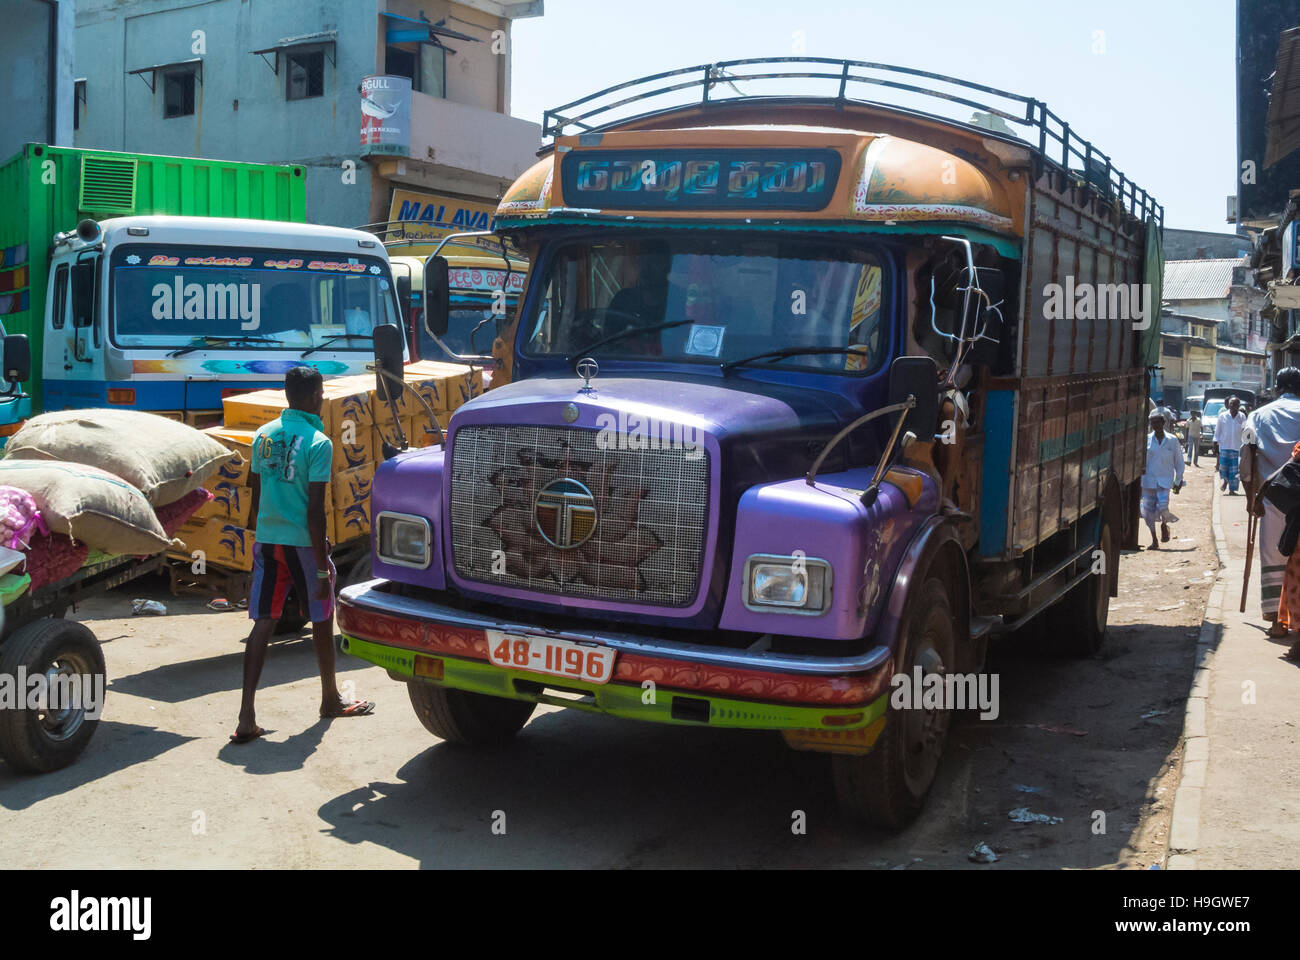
point(472, 719)
point(888, 786)
point(1076, 624)
point(41, 740)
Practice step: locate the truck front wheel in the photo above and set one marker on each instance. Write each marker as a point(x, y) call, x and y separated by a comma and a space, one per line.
point(69, 656)
point(888, 786)
point(473, 719)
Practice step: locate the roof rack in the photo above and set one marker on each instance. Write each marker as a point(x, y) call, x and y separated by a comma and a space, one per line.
point(410, 233)
point(1057, 144)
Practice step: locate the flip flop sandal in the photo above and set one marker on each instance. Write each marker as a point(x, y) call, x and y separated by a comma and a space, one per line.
point(357, 708)
point(247, 737)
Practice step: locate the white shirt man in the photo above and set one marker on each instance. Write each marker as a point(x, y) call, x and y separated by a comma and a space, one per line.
point(1272, 432)
point(1227, 434)
point(1164, 472)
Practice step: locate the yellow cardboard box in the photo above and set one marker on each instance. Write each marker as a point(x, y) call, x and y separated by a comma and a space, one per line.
point(346, 398)
point(248, 411)
point(361, 450)
point(422, 433)
point(353, 486)
point(222, 542)
point(352, 521)
point(445, 385)
point(234, 470)
point(230, 501)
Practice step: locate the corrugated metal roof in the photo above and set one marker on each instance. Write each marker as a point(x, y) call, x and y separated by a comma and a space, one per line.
point(1199, 279)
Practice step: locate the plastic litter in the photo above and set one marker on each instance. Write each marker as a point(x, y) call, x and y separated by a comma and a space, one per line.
point(220, 603)
point(1022, 815)
point(1025, 789)
point(139, 606)
point(982, 853)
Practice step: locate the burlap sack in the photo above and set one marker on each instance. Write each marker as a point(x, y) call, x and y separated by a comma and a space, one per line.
point(91, 505)
point(162, 458)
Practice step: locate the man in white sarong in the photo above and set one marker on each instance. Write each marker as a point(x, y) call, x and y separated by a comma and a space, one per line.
point(1267, 439)
point(1164, 473)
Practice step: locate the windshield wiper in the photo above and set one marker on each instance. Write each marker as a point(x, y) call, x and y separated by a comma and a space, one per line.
point(202, 342)
point(627, 333)
point(328, 340)
point(771, 356)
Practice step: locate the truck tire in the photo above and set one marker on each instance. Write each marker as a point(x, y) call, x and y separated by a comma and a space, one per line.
point(37, 741)
point(888, 786)
point(472, 719)
point(1075, 626)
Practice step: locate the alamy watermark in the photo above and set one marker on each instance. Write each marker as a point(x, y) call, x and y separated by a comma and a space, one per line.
point(920, 690)
point(39, 691)
point(630, 431)
point(1098, 301)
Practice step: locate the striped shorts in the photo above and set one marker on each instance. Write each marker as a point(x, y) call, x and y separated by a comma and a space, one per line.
point(277, 570)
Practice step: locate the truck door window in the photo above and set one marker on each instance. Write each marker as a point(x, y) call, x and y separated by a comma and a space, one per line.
point(58, 315)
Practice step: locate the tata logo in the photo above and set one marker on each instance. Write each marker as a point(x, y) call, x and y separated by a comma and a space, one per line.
point(565, 513)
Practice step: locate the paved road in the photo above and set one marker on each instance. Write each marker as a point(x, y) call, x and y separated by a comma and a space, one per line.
point(160, 786)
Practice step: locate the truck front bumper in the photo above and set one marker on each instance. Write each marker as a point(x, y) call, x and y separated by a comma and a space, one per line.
point(821, 703)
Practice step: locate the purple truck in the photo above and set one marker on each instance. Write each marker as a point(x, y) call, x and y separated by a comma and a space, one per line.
point(804, 401)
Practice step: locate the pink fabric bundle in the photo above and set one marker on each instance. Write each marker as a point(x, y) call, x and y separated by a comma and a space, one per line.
point(19, 518)
point(53, 557)
point(173, 515)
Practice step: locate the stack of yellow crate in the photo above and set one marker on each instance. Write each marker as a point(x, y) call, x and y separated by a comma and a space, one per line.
point(356, 425)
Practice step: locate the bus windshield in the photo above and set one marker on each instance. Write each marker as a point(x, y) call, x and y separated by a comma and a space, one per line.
point(168, 296)
point(714, 299)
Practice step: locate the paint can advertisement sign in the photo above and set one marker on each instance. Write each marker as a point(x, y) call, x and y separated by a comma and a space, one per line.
point(386, 116)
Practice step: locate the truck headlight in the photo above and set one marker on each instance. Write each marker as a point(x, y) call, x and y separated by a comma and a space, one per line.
point(403, 539)
point(787, 584)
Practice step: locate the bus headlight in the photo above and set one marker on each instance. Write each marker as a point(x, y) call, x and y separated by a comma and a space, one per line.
point(403, 539)
point(787, 584)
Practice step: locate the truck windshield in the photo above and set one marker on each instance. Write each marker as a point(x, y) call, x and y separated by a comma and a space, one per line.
point(713, 299)
point(167, 296)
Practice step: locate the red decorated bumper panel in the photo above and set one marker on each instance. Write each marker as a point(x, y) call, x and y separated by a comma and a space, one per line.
point(734, 682)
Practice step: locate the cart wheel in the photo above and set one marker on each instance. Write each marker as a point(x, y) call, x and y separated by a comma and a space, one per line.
point(41, 740)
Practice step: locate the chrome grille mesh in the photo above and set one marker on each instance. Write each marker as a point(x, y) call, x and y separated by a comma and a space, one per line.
point(652, 508)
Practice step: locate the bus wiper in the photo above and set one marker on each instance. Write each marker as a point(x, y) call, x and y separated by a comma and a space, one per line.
point(328, 340)
point(202, 342)
point(771, 356)
point(630, 331)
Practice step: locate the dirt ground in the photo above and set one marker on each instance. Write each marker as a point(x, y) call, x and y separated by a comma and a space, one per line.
point(161, 786)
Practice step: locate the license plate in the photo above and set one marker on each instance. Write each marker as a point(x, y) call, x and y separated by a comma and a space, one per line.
point(558, 658)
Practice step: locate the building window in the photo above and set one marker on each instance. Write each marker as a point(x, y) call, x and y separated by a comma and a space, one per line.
point(304, 74)
point(78, 98)
point(178, 93)
point(1172, 349)
point(425, 66)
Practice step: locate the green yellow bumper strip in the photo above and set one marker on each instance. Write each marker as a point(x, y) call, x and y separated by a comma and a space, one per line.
point(689, 708)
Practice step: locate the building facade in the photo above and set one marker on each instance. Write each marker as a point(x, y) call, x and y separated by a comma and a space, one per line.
point(37, 83)
point(280, 81)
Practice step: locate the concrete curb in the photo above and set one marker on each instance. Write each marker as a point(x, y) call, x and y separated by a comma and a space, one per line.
point(1185, 820)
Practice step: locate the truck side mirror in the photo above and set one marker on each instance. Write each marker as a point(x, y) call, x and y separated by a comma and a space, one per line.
point(403, 281)
point(17, 358)
point(437, 296)
point(917, 377)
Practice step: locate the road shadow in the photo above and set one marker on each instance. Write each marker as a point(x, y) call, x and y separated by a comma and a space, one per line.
point(288, 659)
point(114, 747)
point(266, 755)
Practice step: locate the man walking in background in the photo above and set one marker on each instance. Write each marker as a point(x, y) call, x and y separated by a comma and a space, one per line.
point(1268, 437)
point(1164, 473)
point(288, 475)
point(1227, 434)
point(1194, 436)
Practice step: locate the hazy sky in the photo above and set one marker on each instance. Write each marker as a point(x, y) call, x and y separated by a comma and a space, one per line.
point(1158, 94)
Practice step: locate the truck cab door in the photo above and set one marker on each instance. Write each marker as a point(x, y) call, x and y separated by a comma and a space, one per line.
point(85, 304)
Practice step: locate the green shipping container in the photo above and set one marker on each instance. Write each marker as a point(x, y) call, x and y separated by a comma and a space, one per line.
point(45, 190)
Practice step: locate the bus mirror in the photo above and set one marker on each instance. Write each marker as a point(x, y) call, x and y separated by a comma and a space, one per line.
point(83, 293)
point(17, 358)
point(437, 296)
point(917, 377)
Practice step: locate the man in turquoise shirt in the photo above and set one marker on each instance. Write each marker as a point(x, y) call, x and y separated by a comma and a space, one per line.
point(288, 476)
